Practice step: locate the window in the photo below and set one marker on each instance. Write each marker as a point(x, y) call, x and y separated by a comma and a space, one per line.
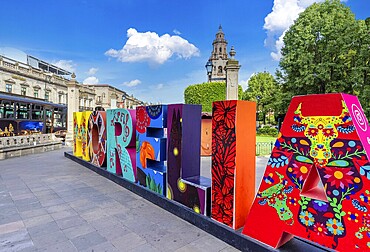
point(8, 87)
point(47, 94)
point(22, 111)
point(37, 112)
point(8, 109)
point(36, 93)
point(220, 49)
point(2, 109)
point(220, 69)
point(60, 98)
point(23, 91)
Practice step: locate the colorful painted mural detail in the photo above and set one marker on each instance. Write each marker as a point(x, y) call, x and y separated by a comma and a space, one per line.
point(97, 133)
point(151, 139)
point(80, 136)
point(206, 135)
point(184, 183)
point(316, 182)
point(121, 146)
point(233, 161)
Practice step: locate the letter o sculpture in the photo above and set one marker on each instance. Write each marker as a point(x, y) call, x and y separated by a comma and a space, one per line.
point(98, 138)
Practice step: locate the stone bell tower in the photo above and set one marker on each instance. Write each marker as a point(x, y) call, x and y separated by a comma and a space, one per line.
point(218, 57)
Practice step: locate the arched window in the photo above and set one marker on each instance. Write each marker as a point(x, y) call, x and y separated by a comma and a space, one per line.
point(220, 49)
point(220, 69)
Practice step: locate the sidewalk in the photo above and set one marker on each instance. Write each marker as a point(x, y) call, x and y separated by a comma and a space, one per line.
point(50, 203)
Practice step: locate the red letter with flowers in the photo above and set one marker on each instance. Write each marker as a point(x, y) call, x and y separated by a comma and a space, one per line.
point(233, 161)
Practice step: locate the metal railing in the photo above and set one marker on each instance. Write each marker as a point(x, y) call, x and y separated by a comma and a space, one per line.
point(264, 148)
point(24, 140)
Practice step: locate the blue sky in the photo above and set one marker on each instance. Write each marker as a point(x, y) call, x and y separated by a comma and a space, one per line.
point(152, 49)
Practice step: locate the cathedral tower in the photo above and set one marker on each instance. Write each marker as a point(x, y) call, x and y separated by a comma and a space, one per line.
point(218, 57)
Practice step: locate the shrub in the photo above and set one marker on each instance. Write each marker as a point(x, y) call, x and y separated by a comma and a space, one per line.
point(268, 131)
point(206, 93)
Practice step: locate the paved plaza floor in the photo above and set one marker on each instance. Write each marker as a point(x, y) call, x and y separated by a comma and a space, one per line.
point(50, 203)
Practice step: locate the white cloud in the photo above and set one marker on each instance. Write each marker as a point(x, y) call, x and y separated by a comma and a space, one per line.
point(159, 86)
point(177, 32)
point(132, 83)
point(66, 65)
point(91, 80)
point(277, 22)
point(92, 71)
point(244, 83)
point(150, 47)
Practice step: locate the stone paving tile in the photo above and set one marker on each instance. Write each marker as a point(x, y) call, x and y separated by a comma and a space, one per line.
point(145, 248)
point(113, 232)
point(103, 247)
point(62, 206)
point(95, 214)
point(63, 214)
point(74, 232)
point(88, 240)
point(52, 202)
point(33, 213)
point(47, 191)
point(204, 243)
point(49, 239)
point(65, 246)
point(27, 201)
point(11, 227)
point(15, 241)
point(43, 229)
point(70, 222)
point(29, 207)
point(229, 249)
point(59, 208)
point(23, 196)
point(8, 218)
point(128, 241)
point(105, 222)
point(38, 220)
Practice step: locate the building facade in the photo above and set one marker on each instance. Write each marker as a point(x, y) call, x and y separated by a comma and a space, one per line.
point(22, 79)
point(107, 97)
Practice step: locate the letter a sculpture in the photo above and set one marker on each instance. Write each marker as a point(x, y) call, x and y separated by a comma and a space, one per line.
point(316, 183)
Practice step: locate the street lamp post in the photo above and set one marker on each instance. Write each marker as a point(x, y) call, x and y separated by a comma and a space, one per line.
point(209, 67)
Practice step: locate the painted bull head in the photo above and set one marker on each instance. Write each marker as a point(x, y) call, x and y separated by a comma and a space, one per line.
point(276, 197)
point(321, 130)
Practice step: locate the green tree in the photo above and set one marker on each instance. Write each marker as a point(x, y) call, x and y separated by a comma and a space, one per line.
point(326, 50)
point(264, 90)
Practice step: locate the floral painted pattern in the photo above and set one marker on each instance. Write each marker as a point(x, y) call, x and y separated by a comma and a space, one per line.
point(223, 161)
point(329, 171)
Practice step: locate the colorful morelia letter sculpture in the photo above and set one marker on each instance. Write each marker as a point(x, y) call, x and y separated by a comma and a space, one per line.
point(151, 122)
point(233, 161)
point(80, 137)
point(184, 183)
point(98, 138)
point(316, 184)
point(121, 147)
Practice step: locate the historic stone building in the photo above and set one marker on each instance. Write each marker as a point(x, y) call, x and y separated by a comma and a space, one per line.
point(30, 77)
point(218, 57)
point(107, 96)
point(25, 80)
